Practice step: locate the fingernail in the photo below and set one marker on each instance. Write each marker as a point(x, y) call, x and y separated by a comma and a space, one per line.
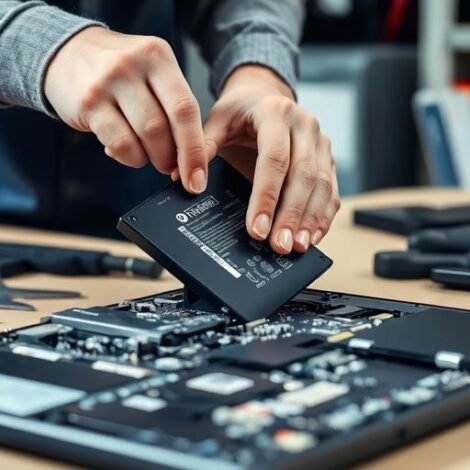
point(108, 152)
point(303, 239)
point(198, 183)
point(317, 236)
point(261, 226)
point(174, 174)
point(285, 239)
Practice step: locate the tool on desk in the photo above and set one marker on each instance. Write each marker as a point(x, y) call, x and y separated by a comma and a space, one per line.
point(440, 253)
point(19, 258)
point(409, 219)
point(7, 294)
point(414, 264)
point(454, 278)
point(444, 240)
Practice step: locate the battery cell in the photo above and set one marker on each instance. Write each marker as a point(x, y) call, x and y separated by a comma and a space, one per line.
point(203, 241)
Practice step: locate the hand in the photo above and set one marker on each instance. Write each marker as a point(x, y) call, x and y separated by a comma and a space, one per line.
point(295, 190)
point(130, 92)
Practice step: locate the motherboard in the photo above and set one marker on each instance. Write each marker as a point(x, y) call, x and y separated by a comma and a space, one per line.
point(327, 380)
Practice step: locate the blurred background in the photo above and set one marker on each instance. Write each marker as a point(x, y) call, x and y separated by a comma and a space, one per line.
point(389, 82)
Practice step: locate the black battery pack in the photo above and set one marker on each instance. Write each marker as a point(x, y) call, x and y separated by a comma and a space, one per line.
point(202, 240)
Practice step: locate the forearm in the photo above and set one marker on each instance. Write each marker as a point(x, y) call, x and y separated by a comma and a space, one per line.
point(30, 35)
point(232, 33)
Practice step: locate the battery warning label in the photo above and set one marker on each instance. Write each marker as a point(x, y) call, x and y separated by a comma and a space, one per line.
point(216, 227)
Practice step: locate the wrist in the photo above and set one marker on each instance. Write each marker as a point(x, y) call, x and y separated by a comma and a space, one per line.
point(70, 49)
point(257, 76)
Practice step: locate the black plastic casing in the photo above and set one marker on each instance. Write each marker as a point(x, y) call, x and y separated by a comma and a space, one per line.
point(202, 240)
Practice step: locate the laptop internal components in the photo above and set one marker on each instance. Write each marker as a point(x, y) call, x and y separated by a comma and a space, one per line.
point(325, 381)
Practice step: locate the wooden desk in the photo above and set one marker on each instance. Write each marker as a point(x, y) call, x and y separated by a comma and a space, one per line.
point(352, 250)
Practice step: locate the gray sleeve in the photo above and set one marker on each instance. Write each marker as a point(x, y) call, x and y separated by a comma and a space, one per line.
point(30, 34)
point(235, 32)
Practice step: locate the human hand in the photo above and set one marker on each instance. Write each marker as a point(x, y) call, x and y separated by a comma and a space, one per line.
point(295, 190)
point(131, 93)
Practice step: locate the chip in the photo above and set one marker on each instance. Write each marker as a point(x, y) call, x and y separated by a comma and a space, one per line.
point(315, 394)
point(267, 355)
point(220, 383)
point(144, 403)
point(207, 388)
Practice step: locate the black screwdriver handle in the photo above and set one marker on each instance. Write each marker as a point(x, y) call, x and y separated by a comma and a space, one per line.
point(71, 262)
point(136, 266)
point(55, 260)
point(413, 264)
point(12, 267)
point(445, 240)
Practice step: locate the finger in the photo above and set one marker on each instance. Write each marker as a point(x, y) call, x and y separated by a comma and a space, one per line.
point(296, 192)
point(117, 136)
point(180, 105)
point(270, 171)
point(219, 131)
point(335, 202)
point(317, 217)
point(215, 131)
point(175, 174)
point(149, 122)
point(329, 213)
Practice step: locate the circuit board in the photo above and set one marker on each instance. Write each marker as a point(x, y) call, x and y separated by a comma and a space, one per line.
point(149, 382)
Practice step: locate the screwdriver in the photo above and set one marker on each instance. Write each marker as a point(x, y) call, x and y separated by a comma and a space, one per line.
point(20, 258)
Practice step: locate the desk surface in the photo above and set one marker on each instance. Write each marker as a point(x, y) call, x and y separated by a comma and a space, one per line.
point(352, 249)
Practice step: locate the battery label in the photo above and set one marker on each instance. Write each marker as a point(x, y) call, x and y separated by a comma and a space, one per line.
point(220, 261)
point(217, 226)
